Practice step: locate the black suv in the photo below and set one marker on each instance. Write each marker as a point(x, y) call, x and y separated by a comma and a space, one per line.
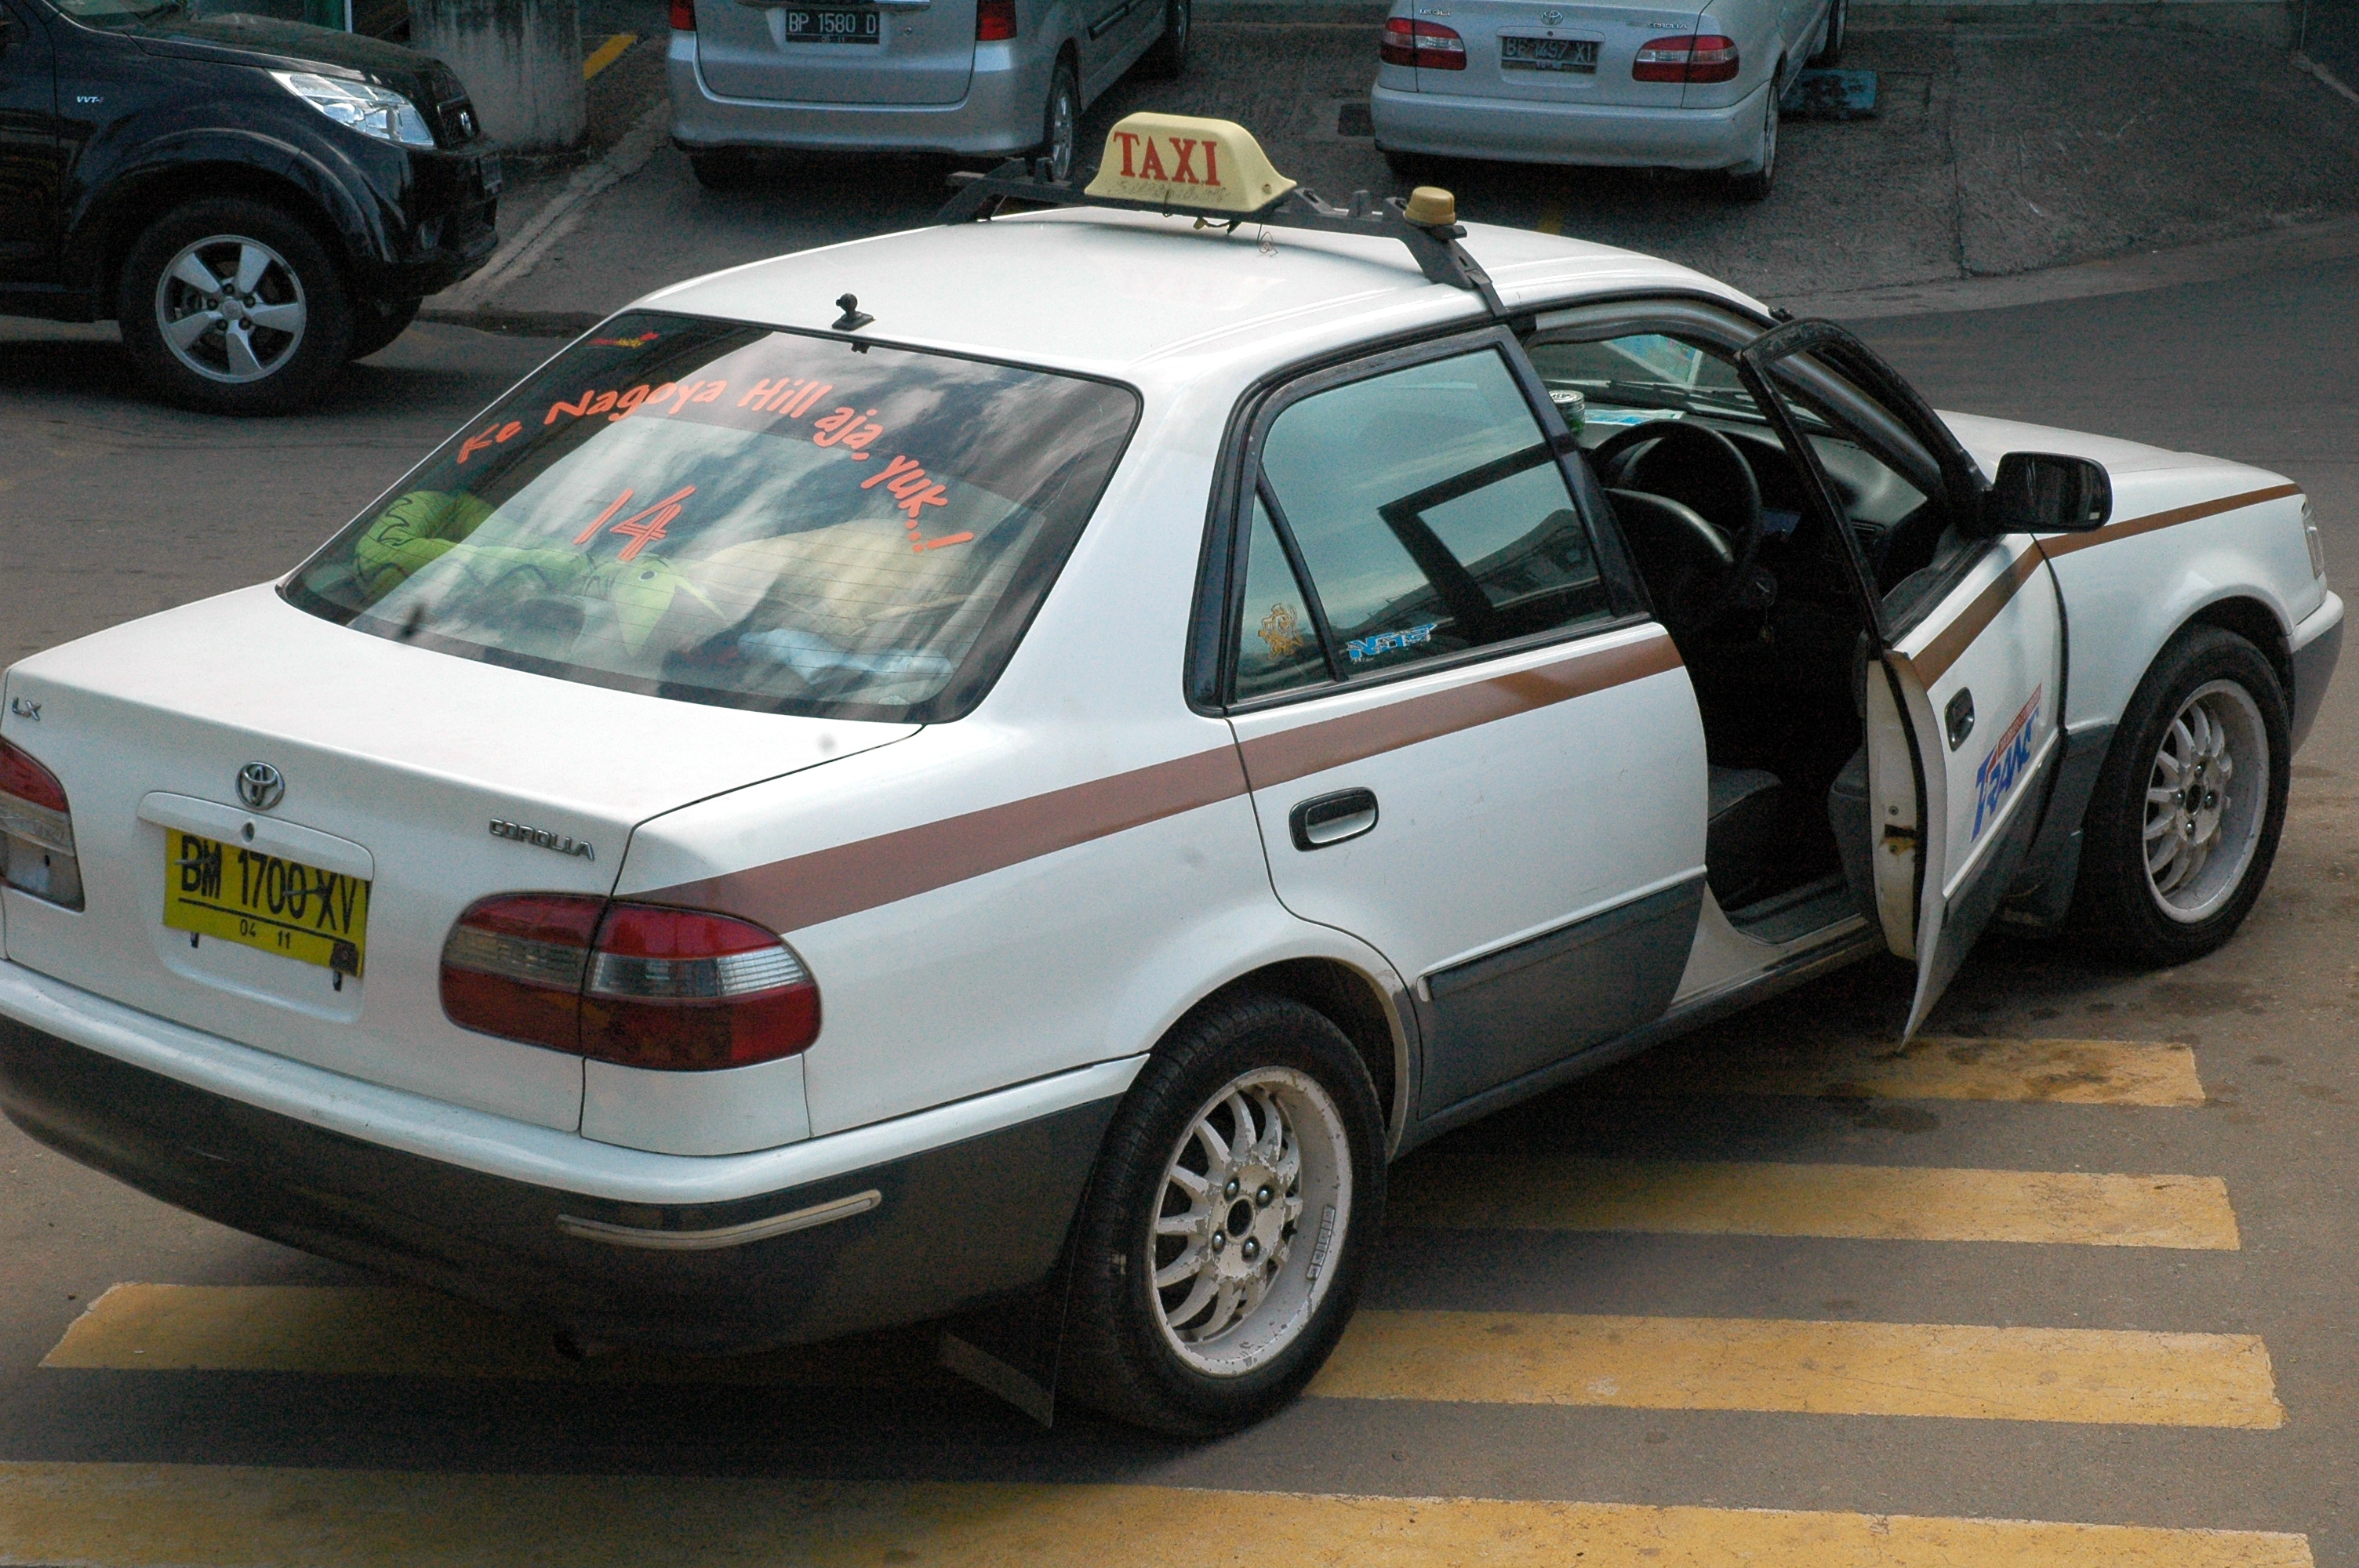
point(255, 202)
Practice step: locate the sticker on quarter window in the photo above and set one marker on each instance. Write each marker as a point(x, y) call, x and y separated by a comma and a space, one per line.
point(2003, 768)
point(1361, 648)
point(1282, 632)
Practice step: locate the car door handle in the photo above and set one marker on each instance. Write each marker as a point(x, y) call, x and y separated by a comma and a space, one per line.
point(1961, 718)
point(1332, 818)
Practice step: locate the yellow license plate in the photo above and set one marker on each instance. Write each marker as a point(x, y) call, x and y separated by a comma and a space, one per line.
point(282, 906)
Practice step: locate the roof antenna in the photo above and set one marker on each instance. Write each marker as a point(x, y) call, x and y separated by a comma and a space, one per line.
point(854, 317)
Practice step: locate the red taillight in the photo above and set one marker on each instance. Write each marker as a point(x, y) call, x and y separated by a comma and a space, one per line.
point(640, 984)
point(1705, 57)
point(1429, 46)
point(37, 841)
point(995, 20)
point(684, 16)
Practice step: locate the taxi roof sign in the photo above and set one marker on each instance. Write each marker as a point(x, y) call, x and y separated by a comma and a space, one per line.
point(1203, 165)
point(1213, 170)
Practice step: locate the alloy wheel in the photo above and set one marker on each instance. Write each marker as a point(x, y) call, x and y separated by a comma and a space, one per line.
point(231, 308)
point(2206, 799)
point(1255, 1203)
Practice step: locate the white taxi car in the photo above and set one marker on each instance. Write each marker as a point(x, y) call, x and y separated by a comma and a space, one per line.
point(842, 801)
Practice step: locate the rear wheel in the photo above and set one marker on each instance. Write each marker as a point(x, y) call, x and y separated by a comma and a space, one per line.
point(1169, 55)
point(1230, 1222)
point(2183, 823)
point(1753, 184)
point(1406, 167)
point(230, 306)
point(723, 169)
point(1060, 120)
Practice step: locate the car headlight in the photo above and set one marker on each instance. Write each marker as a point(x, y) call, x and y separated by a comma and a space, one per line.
point(2316, 542)
point(373, 110)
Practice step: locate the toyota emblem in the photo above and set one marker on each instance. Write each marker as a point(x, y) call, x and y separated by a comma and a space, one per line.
point(260, 785)
point(1550, 19)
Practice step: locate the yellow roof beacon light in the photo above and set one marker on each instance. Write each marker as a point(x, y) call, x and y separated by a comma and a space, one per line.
point(1213, 170)
point(1205, 165)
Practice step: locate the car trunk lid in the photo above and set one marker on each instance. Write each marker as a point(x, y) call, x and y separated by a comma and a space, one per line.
point(436, 780)
point(1564, 53)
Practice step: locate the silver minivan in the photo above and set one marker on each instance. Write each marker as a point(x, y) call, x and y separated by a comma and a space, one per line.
point(984, 77)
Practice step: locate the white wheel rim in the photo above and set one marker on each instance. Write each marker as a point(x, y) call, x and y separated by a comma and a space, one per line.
point(1062, 114)
point(231, 309)
point(1250, 1218)
point(2207, 794)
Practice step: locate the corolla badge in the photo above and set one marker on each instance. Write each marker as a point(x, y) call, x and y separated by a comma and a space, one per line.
point(260, 785)
point(542, 837)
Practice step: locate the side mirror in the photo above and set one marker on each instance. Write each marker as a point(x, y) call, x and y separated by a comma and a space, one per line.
point(2041, 492)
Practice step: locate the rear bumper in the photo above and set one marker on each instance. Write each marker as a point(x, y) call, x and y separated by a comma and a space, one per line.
point(1002, 113)
point(1514, 131)
point(2316, 645)
point(949, 1224)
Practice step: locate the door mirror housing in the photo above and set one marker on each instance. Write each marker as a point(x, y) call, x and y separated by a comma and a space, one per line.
point(2043, 493)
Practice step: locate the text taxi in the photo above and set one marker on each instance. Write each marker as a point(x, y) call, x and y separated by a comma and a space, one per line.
point(1010, 791)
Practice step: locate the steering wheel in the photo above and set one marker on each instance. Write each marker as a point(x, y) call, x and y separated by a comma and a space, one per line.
point(1712, 474)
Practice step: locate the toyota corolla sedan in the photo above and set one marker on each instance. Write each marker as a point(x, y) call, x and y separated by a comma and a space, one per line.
point(842, 801)
point(1598, 81)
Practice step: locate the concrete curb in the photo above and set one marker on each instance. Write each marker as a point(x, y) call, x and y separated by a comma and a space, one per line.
point(2297, 246)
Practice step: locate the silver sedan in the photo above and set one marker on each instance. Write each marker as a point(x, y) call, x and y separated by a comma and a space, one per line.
point(1611, 82)
point(984, 77)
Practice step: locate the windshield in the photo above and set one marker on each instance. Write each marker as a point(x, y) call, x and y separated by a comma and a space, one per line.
point(740, 515)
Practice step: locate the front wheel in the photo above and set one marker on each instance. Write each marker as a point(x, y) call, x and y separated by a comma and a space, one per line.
point(230, 306)
point(2184, 821)
point(378, 323)
point(1230, 1222)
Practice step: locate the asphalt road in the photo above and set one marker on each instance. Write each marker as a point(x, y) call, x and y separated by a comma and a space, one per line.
point(1762, 1270)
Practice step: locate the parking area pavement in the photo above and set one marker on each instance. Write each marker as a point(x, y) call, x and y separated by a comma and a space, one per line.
point(2067, 1283)
point(1998, 149)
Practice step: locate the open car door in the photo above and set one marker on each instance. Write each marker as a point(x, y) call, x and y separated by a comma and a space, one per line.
point(1966, 670)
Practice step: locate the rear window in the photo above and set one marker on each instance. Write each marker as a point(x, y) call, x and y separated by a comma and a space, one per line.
point(740, 515)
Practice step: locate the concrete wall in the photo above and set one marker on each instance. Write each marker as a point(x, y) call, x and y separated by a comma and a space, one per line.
point(521, 60)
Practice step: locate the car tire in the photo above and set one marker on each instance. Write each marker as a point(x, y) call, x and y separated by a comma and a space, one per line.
point(1831, 46)
point(1060, 120)
point(1166, 58)
point(2160, 883)
point(231, 306)
point(1752, 185)
point(377, 322)
point(725, 170)
point(1406, 167)
point(1249, 1311)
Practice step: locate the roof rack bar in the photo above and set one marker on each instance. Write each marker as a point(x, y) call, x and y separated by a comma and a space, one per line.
point(1435, 247)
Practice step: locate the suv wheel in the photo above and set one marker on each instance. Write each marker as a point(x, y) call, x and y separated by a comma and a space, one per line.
point(229, 306)
point(1752, 185)
point(1168, 55)
point(1230, 1223)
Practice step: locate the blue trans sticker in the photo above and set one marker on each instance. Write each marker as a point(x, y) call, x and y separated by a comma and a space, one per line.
point(1386, 641)
point(2003, 768)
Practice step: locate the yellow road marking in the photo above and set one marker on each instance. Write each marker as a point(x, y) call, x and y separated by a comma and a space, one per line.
point(1552, 220)
point(148, 1515)
point(2105, 1377)
point(2070, 1072)
point(1875, 1201)
point(607, 53)
point(384, 1331)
